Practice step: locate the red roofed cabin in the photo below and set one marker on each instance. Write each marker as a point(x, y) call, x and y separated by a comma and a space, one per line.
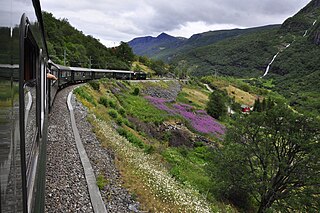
point(245, 109)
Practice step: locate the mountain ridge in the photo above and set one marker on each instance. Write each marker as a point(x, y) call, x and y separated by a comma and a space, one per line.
point(165, 46)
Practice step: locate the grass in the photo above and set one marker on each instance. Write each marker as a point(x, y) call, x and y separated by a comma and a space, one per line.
point(163, 179)
point(134, 105)
point(194, 97)
point(101, 181)
point(142, 67)
point(240, 96)
point(82, 92)
point(187, 165)
point(162, 192)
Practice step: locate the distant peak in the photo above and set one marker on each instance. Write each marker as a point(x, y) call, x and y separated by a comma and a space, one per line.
point(164, 35)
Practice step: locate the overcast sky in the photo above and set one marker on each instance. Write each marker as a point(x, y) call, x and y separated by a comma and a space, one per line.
point(112, 21)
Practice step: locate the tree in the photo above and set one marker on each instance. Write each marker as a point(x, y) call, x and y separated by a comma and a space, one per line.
point(158, 66)
point(124, 52)
point(272, 157)
point(257, 105)
point(216, 106)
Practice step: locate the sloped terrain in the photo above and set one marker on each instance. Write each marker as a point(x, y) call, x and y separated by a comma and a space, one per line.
point(167, 48)
point(290, 52)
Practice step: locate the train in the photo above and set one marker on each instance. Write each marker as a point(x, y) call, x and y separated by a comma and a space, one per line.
point(26, 96)
point(73, 75)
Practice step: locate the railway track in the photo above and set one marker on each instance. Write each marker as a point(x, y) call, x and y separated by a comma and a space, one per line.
point(66, 187)
point(69, 187)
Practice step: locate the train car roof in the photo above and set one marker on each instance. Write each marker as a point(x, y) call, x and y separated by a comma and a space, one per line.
point(101, 70)
point(80, 69)
point(61, 67)
point(113, 71)
point(122, 71)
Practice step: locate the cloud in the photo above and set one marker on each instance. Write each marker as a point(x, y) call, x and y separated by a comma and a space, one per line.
point(113, 21)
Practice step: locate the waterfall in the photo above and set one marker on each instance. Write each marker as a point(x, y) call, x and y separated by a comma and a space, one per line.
point(274, 57)
point(268, 67)
point(305, 33)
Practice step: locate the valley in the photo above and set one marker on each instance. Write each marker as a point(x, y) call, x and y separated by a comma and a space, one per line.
point(252, 53)
point(226, 121)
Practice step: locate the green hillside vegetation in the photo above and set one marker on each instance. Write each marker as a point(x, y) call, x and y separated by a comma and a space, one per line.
point(150, 66)
point(138, 66)
point(168, 49)
point(209, 165)
point(79, 50)
point(126, 107)
point(294, 73)
point(246, 54)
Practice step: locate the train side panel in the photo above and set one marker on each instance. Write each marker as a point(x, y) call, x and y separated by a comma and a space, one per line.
point(23, 107)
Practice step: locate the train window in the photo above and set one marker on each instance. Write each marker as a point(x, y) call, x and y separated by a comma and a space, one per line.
point(54, 71)
point(31, 71)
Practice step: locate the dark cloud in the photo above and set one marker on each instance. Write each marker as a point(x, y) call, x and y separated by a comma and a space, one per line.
point(114, 21)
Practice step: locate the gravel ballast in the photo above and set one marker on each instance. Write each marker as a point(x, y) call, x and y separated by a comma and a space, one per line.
point(66, 187)
point(116, 198)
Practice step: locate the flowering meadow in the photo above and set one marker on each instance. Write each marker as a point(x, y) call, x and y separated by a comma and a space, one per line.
point(199, 119)
point(146, 173)
point(153, 174)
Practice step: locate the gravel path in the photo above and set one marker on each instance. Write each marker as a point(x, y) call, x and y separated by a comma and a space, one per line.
point(66, 188)
point(116, 198)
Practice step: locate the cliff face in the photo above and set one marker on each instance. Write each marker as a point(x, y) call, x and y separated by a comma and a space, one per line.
point(311, 6)
point(316, 37)
point(303, 20)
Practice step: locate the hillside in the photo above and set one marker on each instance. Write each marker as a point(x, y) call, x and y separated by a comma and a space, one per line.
point(150, 46)
point(68, 45)
point(295, 71)
point(162, 138)
point(294, 46)
point(166, 47)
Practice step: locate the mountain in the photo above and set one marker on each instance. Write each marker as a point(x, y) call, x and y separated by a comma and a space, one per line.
point(166, 47)
point(149, 46)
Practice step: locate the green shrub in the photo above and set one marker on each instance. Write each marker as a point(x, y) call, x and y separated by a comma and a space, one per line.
point(122, 111)
point(113, 113)
point(136, 91)
point(131, 137)
point(101, 181)
point(119, 120)
point(149, 149)
point(83, 94)
point(198, 144)
point(95, 85)
point(126, 122)
point(122, 132)
point(167, 136)
point(103, 101)
point(112, 103)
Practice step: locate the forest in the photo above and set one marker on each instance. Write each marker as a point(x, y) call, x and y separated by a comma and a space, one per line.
point(69, 46)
